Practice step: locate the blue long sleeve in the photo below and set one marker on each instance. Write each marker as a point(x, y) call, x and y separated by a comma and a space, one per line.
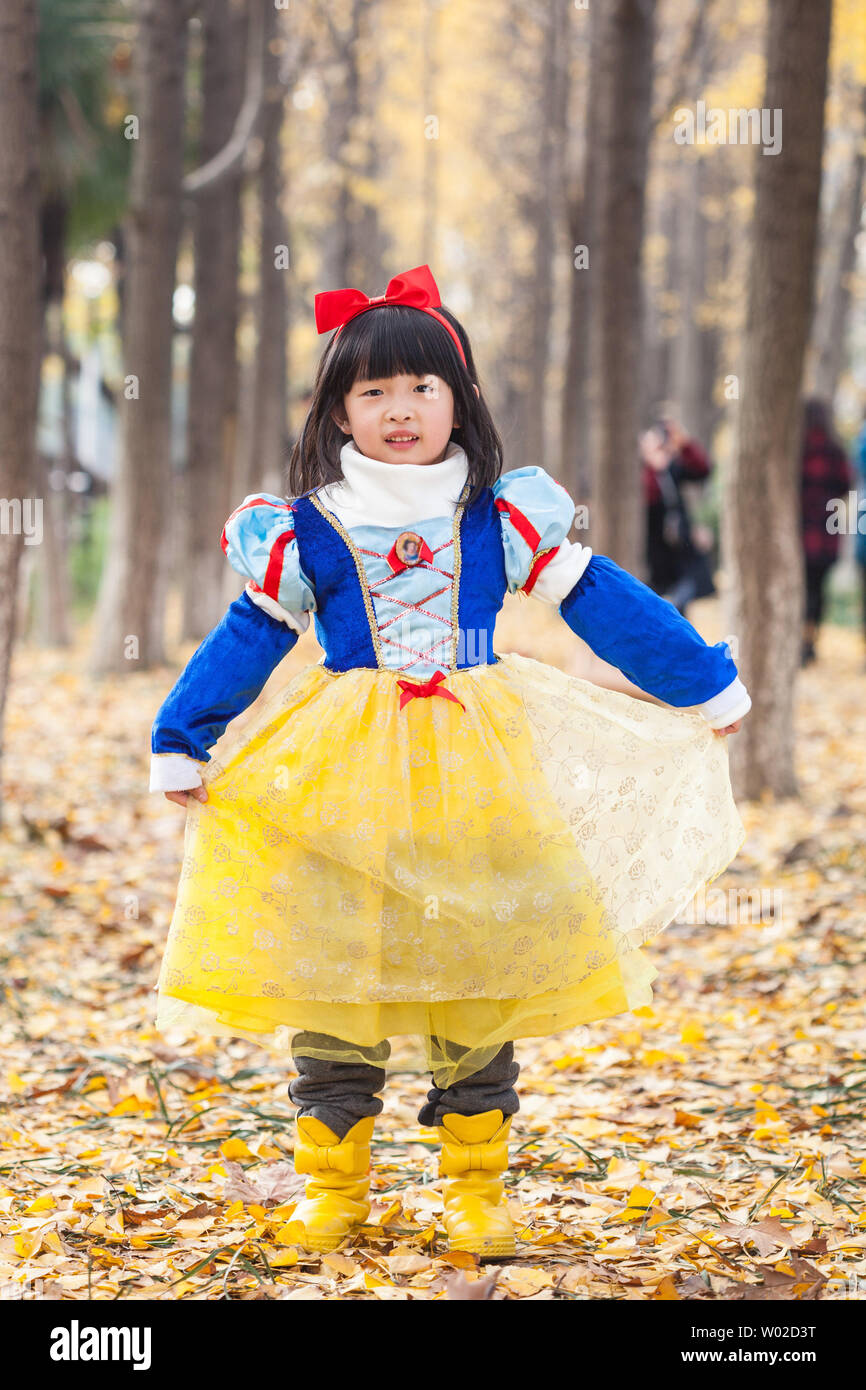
point(627, 624)
point(221, 679)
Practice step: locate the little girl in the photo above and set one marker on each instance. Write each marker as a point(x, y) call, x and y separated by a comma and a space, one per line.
point(420, 836)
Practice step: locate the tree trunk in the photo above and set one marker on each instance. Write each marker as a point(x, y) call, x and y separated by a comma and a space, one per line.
point(49, 622)
point(20, 337)
point(547, 215)
point(581, 207)
point(130, 613)
point(353, 245)
point(831, 319)
point(689, 375)
point(263, 448)
point(369, 240)
point(761, 515)
point(431, 136)
point(573, 470)
point(51, 627)
point(717, 233)
point(625, 55)
point(709, 235)
point(676, 229)
point(213, 377)
point(343, 110)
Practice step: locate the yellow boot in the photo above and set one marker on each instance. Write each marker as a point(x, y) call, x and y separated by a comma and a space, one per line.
point(335, 1201)
point(474, 1152)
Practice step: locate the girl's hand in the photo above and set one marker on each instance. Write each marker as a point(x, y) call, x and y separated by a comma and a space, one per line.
point(730, 729)
point(653, 451)
point(182, 797)
point(676, 434)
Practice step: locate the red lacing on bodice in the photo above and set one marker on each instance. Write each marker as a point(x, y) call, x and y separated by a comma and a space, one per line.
point(405, 606)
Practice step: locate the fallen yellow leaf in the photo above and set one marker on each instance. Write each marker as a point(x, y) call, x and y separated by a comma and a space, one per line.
point(283, 1258)
point(234, 1149)
point(293, 1233)
point(692, 1033)
point(640, 1199)
point(666, 1290)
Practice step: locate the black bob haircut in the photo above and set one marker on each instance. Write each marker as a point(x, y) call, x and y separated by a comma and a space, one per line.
point(393, 340)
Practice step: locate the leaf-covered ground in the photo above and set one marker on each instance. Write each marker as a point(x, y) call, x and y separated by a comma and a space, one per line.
point(711, 1147)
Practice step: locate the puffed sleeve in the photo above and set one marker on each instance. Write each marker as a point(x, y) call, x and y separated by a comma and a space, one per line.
point(536, 514)
point(260, 543)
point(227, 672)
point(629, 625)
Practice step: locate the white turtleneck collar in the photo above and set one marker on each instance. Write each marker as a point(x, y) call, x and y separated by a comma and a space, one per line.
point(373, 493)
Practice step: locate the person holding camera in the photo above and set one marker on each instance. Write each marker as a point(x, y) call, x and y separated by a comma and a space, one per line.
point(679, 569)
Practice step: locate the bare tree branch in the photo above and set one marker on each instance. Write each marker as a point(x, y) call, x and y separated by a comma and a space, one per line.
point(682, 72)
point(298, 58)
point(231, 154)
point(342, 39)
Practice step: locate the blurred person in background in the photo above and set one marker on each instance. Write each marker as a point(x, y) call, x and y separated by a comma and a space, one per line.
point(826, 478)
point(679, 569)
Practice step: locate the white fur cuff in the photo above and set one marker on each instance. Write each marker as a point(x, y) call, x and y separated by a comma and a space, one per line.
point(173, 772)
point(299, 621)
point(560, 574)
point(728, 706)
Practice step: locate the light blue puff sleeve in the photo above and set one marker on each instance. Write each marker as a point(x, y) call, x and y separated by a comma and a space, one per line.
point(536, 514)
point(260, 543)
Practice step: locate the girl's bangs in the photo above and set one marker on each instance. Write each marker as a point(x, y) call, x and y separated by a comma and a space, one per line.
point(393, 341)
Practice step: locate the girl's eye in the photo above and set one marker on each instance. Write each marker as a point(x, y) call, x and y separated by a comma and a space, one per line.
point(377, 391)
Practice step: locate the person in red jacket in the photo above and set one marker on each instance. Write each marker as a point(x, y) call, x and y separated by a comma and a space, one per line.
point(678, 566)
point(826, 478)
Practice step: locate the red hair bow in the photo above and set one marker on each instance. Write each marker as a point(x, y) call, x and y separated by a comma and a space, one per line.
point(415, 288)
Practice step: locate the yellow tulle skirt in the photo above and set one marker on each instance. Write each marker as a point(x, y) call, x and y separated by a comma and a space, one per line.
point(460, 877)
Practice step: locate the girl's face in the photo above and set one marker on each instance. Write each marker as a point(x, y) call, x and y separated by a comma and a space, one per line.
point(399, 419)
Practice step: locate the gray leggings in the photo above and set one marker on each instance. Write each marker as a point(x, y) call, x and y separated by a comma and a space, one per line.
point(341, 1093)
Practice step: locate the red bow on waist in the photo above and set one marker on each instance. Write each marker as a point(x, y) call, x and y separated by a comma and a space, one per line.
point(431, 687)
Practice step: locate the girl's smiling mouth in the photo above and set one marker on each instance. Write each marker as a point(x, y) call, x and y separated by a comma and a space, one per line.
point(401, 440)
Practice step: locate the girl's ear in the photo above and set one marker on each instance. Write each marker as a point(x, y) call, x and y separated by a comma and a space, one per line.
point(340, 419)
